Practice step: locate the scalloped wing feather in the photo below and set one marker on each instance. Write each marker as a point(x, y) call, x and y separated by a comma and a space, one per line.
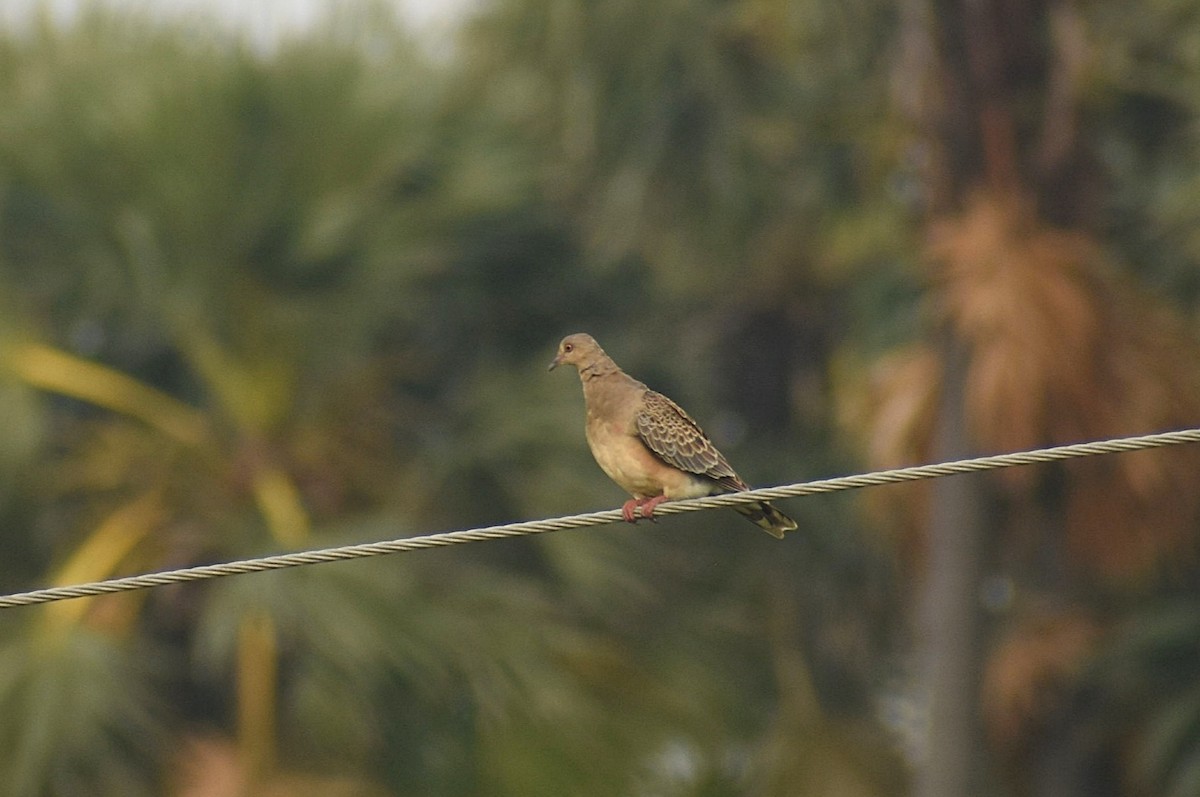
point(679, 441)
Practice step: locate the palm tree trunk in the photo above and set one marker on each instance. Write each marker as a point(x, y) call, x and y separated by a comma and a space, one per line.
point(949, 621)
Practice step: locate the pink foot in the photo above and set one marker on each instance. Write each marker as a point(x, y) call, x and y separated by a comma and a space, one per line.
point(649, 506)
point(643, 506)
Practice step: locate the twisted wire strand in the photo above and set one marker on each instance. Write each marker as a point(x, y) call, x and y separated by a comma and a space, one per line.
point(442, 539)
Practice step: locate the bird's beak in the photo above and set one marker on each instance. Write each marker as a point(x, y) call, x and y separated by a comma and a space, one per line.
point(557, 361)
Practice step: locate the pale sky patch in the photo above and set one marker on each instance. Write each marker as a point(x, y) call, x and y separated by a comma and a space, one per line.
point(262, 21)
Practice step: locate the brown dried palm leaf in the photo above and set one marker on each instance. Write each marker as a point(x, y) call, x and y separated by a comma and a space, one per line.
point(1028, 674)
point(892, 408)
point(1060, 350)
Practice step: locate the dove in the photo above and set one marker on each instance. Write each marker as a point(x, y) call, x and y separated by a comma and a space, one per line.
point(648, 445)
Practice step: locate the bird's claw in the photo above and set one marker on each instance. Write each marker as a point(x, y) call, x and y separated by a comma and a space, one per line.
point(644, 507)
point(649, 506)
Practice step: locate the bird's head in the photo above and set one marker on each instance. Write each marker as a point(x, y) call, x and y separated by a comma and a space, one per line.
point(578, 350)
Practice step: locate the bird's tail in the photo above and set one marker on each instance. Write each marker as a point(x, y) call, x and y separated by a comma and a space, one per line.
point(768, 518)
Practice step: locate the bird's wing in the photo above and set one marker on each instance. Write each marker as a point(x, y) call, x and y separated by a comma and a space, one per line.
point(679, 441)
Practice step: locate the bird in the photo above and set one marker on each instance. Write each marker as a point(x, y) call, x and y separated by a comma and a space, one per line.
point(648, 445)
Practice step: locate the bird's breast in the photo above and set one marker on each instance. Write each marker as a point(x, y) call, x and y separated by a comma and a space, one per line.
point(627, 461)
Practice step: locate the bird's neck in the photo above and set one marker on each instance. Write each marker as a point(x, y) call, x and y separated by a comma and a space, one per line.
point(606, 394)
point(598, 367)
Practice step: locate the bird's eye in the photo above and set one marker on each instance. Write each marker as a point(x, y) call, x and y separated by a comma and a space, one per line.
point(568, 348)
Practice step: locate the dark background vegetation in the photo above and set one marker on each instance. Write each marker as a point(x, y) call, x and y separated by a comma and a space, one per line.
point(256, 299)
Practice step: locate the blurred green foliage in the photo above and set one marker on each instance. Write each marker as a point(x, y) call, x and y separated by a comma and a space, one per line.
point(342, 268)
point(352, 265)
